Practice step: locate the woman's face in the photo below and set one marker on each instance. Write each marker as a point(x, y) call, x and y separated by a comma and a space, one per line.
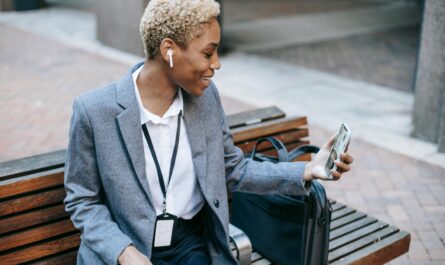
point(196, 65)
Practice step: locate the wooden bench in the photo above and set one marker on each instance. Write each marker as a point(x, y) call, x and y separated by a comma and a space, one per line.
point(35, 229)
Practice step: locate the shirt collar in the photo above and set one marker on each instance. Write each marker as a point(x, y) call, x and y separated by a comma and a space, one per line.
point(146, 115)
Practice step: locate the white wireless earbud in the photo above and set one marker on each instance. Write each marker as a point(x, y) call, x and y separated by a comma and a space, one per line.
point(170, 57)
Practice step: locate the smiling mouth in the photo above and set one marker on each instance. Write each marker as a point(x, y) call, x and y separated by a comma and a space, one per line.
point(206, 78)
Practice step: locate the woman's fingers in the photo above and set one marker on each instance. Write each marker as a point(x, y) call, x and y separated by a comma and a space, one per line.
point(335, 174)
point(342, 167)
point(346, 158)
point(343, 164)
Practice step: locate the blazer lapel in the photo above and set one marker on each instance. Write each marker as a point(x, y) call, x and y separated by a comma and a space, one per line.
point(130, 128)
point(194, 117)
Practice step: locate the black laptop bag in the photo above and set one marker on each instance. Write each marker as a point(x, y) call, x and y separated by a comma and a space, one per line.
point(287, 230)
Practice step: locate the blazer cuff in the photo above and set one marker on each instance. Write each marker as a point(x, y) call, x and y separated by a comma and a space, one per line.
point(298, 185)
point(116, 249)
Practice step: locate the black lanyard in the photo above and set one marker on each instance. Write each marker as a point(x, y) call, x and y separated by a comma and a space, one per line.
point(155, 159)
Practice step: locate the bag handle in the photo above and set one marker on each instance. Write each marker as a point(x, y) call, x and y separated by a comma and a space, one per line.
point(301, 150)
point(278, 146)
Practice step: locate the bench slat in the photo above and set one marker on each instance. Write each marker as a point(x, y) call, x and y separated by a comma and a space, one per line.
point(356, 234)
point(379, 253)
point(256, 256)
point(36, 234)
point(31, 218)
point(257, 259)
point(31, 165)
point(339, 222)
point(62, 259)
point(267, 128)
point(342, 213)
point(261, 262)
point(285, 137)
point(337, 206)
point(32, 201)
point(361, 243)
point(30, 183)
point(41, 250)
point(351, 227)
point(254, 116)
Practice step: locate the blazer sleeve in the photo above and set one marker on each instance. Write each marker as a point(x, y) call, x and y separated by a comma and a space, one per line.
point(84, 192)
point(246, 175)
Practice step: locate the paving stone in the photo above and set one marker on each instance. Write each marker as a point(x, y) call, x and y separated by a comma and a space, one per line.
point(370, 192)
point(439, 226)
point(384, 184)
point(418, 252)
point(355, 198)
point(402, 260)
point(421, 262)
point(437, 253)
point(430, 239)
point(440, 210)
point(396, 194)
point(427, 198)
point(397, 213)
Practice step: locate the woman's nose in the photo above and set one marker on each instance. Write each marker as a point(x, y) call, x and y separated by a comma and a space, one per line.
point(216, 65)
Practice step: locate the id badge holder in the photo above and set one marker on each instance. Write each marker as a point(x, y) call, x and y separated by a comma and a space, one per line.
point(165, 223)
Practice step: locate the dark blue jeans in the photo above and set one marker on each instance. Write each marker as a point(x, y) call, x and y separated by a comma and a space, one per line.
point(189, 246)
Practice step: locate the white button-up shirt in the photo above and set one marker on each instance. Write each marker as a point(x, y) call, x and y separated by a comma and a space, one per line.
point(184, 197)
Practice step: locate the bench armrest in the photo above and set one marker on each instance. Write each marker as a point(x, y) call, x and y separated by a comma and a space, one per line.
point(243, 247)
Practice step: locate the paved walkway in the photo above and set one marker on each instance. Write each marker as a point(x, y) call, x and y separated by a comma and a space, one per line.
point(387, 58)
point(39, 79)
point(395, 178)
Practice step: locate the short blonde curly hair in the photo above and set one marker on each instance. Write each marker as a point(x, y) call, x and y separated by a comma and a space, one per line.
point(180, 20)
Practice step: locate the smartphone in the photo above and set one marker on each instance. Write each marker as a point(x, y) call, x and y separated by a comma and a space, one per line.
point(340, 143)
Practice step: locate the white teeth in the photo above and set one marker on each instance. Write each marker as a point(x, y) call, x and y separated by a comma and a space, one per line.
point(205, 78)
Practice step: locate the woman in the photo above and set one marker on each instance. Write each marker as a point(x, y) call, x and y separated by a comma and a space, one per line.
point(150, 155)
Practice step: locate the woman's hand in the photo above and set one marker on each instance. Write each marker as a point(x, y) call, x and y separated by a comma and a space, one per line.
point(132, 256)
point(316, 168)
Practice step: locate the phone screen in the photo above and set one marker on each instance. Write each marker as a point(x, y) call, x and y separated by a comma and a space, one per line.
point(339, 146)
point(331, 159)
point(341, 140)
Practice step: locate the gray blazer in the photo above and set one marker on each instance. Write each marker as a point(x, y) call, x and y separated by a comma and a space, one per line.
point(107, 189)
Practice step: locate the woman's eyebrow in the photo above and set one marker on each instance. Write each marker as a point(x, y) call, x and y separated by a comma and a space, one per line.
point(213, 45)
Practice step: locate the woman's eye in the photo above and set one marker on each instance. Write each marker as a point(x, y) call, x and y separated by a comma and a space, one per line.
point(207, 55)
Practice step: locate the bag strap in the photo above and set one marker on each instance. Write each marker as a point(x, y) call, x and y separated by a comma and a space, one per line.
point(278, 146)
